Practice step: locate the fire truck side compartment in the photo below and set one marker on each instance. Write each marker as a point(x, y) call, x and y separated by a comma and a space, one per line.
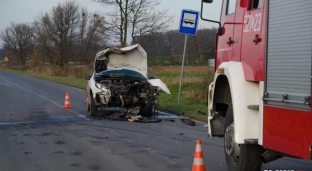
point(289, 51)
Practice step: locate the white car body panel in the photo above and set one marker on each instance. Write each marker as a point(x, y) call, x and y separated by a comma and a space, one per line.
point(94, 89)
point(132, 57)
point(160, 84)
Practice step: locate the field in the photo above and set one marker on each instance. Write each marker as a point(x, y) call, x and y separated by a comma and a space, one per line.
point(196, 80)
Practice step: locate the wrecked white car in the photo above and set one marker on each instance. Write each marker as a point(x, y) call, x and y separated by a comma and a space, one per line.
point(120, 80)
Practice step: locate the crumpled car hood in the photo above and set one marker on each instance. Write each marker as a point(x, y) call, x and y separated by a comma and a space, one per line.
point(132, 57)
point(129, 58)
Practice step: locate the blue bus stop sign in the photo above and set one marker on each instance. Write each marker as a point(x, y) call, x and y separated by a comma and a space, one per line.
point(189, 22)
point(188, 26)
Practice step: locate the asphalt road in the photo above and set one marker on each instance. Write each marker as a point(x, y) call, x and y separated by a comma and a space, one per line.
point(36, 133)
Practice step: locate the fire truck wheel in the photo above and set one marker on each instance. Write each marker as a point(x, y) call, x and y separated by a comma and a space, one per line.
point(239, 157)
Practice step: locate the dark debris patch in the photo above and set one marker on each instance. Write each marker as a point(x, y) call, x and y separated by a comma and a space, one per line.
point(122, 117)
point(58, 152)
point(59, 142)
point(94, 167)
point(201, 113)
point(75, 153)
point(98, 137)
point(75, 165)
point(46, 134)
point(188, 122)
point(28, 152)
point(116, 117)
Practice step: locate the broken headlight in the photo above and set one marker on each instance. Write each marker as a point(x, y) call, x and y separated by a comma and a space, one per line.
point(101, 86)
point(98, 85)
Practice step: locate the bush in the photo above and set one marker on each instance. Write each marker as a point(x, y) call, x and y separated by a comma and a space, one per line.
point(34, 61)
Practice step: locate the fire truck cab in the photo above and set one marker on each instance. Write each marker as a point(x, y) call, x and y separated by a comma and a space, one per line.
point(260, 99)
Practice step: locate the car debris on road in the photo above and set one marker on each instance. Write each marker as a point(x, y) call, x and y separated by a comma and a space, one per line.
point(117, 116)
point(188, 122)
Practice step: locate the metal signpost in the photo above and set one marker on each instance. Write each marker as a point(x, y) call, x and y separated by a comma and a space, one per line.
point(188, 26)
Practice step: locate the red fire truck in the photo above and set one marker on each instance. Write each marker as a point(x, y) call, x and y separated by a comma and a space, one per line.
point(260, 99)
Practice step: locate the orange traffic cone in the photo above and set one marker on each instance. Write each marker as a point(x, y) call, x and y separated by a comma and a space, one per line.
point(198, 164)
point(67, 101)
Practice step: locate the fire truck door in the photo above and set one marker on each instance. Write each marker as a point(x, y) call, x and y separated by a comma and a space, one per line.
point(238, 26)
point(225, 42)
point(251, 39)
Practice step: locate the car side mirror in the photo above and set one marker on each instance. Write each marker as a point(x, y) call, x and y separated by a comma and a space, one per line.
point(87, 77)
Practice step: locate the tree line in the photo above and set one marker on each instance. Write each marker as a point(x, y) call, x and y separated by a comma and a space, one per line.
point(70, 33)
point(170, 44)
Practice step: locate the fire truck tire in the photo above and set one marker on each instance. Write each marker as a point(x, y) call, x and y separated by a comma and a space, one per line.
point(239, 157)
point(93, 109)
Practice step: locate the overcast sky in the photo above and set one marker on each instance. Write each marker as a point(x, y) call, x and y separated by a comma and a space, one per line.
point(27, 10)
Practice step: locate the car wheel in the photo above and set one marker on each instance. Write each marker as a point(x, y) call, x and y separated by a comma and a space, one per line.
point(239, 157)
point(93, 109)
point(88, 106)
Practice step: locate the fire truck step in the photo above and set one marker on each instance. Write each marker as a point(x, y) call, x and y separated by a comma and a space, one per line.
point(251, 141)
point(253, 107)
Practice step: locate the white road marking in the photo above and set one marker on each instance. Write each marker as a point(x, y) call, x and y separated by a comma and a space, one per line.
point(44, 98)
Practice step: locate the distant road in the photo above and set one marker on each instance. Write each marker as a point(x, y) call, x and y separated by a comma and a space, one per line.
point(36, 133)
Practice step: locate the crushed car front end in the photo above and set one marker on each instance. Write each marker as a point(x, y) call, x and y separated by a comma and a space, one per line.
point(120, 80)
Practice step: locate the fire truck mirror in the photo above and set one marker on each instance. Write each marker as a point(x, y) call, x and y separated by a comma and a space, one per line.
point(212, 18)
point(243, 3)
point(221, 31)
point(207, 1)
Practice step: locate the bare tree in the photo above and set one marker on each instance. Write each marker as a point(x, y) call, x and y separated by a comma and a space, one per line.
point(91, 34)
point(200, 48)
point(58, 31)
point(137, 17)
point(18, 41)
point(68, 33)
point(193, 51)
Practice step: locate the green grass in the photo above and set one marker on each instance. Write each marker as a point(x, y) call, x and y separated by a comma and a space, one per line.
point(190, 102)
point(187, 106)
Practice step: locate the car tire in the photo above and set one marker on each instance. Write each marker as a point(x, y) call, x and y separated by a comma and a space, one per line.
point(239, 157)
point(93, 109)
